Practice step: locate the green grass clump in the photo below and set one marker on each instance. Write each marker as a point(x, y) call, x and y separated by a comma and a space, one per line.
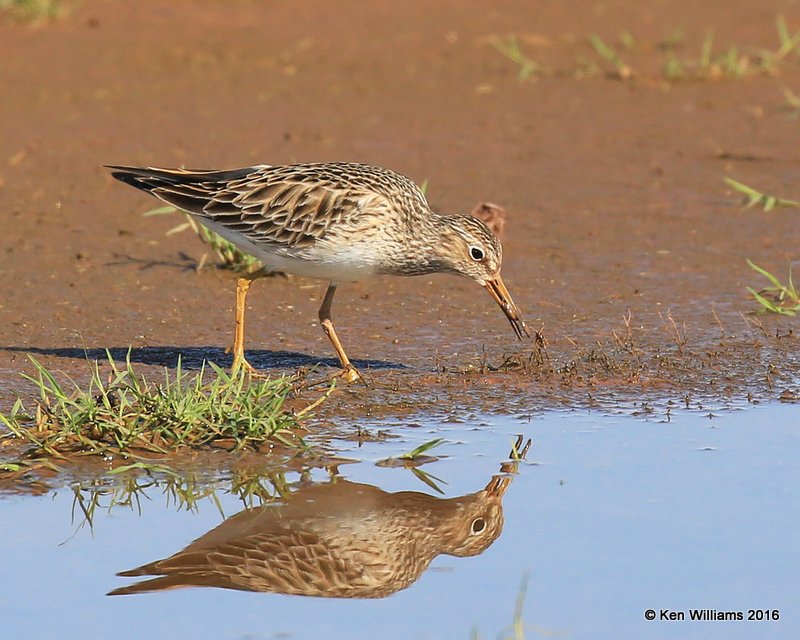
point(791, 103)
point(33, 10)
point(413, 459)
point(621, 70)
point(735, 62)
point(229, 255)
point(124, 413)
point(509, 47)
point(763, 200)
point(418, 452)
point(779, 298)
point(711, 61)
point(789, 42)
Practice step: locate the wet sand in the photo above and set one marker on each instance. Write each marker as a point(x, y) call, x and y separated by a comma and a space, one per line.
point(614, 191)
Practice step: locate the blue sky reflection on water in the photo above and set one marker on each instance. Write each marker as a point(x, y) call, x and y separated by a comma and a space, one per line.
point(609, 517)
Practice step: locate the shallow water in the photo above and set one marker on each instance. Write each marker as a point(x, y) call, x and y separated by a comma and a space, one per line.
point(610, 516)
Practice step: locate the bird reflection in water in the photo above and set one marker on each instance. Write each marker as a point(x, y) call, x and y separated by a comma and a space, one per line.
point(340, 539)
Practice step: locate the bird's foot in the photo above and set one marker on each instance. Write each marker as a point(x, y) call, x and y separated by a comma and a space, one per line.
point(241, 363)
point(350, 375)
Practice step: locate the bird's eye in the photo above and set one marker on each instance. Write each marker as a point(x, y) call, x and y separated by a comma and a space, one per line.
point(478, 525)
point(476, 253)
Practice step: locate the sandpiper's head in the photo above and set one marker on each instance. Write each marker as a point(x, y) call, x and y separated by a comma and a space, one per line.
point(477, 519)
point(474, 251)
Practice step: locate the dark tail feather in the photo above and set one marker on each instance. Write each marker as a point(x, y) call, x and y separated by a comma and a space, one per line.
point(148, 178)
point(139, 182)
point(176, 581)
point(161, 583)
point(191, 191)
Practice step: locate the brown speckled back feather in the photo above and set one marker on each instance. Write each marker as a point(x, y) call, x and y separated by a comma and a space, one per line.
point(282, 206)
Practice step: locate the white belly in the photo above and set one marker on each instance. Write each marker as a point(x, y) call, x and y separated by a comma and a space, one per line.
point(344, 265)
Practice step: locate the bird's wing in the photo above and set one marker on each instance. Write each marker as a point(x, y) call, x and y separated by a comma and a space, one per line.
point(296, 562)
point(268, 205)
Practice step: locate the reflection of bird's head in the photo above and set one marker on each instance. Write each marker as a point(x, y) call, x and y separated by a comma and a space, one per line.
point(480, 520)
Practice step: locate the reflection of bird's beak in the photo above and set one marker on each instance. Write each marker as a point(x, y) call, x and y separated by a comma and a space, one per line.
point(497, 486)
point(501, 296)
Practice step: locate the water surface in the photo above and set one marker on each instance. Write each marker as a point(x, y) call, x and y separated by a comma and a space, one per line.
point(609, 517)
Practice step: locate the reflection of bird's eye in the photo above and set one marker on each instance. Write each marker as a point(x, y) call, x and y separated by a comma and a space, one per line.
point(478, 525)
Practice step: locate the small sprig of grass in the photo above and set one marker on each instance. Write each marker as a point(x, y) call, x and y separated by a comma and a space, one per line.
point(731, 64)
point(125, 414)
point(509, 47)
point(674, 69)
point(33, 10)
point(585, 68)
point(779, 298)
point(621, 70)
point(673, 40)
point(753, 197)
point(735, 62)
point(229, 255)
point(789, 42)
point(791, 103)
point(728, 64)
point(413, 458)
point(627, 40)
point(418, 452)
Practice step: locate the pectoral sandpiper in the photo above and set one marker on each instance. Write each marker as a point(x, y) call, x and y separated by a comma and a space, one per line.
point(339, 222)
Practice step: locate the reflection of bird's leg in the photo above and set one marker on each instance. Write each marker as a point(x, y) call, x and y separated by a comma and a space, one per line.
point(242, 285)
point(349, 372)
point(498, 484)
point(518, 452)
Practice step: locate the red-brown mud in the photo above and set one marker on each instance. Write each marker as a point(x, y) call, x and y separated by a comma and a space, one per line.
point(614, 193)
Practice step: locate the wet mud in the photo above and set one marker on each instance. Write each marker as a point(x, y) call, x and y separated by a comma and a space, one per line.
point(622, 244)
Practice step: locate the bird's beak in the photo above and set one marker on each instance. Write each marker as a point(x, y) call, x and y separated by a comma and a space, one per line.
point(501, 296)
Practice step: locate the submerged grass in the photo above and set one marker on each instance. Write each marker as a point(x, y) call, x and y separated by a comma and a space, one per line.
point(124, 413)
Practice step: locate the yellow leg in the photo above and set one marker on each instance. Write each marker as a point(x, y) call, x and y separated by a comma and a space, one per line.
point(242, 285)
point(349, 372)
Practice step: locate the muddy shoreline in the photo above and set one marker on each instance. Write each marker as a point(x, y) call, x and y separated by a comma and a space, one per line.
point(617, 208)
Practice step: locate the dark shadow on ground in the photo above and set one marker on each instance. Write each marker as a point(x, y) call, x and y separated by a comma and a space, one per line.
point(184, 262)
point(193, 357)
